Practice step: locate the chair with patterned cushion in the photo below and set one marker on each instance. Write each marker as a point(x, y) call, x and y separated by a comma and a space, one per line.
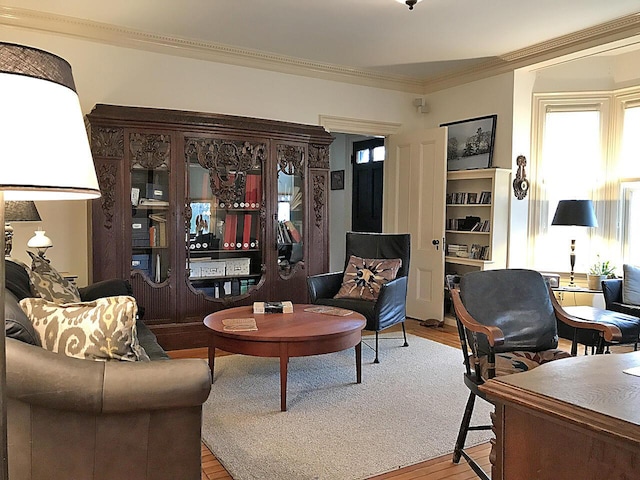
point(507, 324)
point(373, 283)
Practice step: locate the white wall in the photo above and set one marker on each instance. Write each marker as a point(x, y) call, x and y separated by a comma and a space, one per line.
point(124, 76)
point(477, 99)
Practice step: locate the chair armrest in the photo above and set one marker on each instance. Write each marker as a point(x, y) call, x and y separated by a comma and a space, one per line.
point(392, 295)
point(494, 334)
point(612, 291)
point(611, 333)
point(325, 285)
point(105, 288)
point(39, 377)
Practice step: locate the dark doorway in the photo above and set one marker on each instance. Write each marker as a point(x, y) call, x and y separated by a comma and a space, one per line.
point(368, 162)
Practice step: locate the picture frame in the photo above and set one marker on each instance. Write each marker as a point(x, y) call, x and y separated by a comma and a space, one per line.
point(337, 180)
point(470, 143)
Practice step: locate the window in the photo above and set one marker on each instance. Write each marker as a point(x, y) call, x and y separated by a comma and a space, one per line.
point(584, 149)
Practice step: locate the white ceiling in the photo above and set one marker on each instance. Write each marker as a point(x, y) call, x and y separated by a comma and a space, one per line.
point(378, 35)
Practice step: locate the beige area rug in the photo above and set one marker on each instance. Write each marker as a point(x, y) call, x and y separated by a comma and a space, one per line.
point(406, 410)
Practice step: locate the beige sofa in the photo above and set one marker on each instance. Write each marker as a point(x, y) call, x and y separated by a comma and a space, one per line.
point(70, 418)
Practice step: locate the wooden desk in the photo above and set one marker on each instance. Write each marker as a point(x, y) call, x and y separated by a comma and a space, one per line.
point(572, 418)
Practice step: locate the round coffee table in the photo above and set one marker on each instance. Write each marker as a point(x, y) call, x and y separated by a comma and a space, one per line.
point(286, 335)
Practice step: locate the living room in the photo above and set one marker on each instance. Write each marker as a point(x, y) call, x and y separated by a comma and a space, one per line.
point(125, 68)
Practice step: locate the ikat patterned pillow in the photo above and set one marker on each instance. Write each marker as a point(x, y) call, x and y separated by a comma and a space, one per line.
point(364, 277)
point(47, 283)
point(103, 329)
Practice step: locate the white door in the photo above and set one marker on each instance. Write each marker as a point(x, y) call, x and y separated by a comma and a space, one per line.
point(414, 202)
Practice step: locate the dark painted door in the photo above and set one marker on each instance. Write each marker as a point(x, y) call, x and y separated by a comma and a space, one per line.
point(368, 162)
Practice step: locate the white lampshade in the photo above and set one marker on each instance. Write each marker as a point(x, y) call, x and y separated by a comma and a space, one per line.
point(40, 240)
point(44, 149)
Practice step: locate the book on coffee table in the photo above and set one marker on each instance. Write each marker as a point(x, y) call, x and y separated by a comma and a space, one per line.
point(239, 324)
point(327, 310)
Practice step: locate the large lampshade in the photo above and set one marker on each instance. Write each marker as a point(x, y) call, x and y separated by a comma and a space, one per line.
point(575, 212)
point(44, 150)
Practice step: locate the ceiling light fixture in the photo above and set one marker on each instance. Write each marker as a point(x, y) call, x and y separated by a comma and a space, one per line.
point(409, 3)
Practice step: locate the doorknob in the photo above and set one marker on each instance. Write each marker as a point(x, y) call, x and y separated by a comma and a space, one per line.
point(436, 243)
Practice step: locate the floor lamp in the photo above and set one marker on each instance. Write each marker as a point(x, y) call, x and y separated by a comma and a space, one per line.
point(44, 153)
point(574, 213)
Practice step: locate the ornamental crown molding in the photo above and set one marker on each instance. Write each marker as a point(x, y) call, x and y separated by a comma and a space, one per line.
point(617, 29)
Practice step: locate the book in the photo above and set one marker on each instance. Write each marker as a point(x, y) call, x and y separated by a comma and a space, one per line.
point(272, 307)
point(152, 236)
point(327, 310)
point(239, 324)
point(293, 231)
point(229, 232)
point(246, 233)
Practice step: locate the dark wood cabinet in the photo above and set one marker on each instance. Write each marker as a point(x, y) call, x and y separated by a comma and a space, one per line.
point(204, 211)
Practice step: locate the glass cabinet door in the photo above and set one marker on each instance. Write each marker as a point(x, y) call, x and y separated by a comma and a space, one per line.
point(290, 214)
point(150, 180)
point(224, 212)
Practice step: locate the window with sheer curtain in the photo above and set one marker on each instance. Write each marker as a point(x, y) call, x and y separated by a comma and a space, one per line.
point(586, 147)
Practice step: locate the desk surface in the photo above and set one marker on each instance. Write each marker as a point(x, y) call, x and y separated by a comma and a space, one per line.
point(596, 384)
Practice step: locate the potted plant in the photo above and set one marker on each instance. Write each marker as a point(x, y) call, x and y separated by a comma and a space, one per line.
point(598, 272)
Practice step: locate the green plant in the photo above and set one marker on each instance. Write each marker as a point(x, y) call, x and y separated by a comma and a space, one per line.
point(602, 268)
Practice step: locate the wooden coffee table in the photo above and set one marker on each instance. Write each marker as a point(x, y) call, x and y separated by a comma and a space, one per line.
point(286, 335)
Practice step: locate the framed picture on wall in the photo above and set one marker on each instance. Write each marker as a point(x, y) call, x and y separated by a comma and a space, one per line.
point(337, 180)
point(470, 143)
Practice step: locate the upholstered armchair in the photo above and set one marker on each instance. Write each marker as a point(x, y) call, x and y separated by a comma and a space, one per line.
point(507, 324)
point(390, 306)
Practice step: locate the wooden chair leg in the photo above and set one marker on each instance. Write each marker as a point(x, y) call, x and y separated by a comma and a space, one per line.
point(464, 428)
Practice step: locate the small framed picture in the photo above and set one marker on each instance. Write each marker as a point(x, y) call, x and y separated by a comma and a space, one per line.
point(470, 143)
point(337, 180)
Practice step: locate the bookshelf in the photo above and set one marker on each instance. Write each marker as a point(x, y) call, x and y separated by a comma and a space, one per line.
point(203, 212)
point(477, 210)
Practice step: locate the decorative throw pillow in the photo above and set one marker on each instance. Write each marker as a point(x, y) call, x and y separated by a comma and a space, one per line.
point(103, 329)
point(631, 285)
point(47, 283)
point(363, 277)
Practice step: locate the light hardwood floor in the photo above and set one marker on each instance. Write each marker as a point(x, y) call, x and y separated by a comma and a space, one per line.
point(438, 468)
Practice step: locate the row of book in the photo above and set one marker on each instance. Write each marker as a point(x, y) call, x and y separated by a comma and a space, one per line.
point(158, 235)
point(468, 198)
point(252, 194)
point(461, 224)
point(288, 233)
point(240, 232)
point(479, 252)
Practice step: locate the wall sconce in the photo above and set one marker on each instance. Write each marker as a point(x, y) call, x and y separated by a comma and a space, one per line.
point(421, 104)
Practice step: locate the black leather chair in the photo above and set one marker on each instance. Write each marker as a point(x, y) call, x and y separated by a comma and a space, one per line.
point(507, 324)
point(390, 307)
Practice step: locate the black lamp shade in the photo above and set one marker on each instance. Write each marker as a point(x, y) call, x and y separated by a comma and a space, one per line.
point(21, 211)
point(575, 212)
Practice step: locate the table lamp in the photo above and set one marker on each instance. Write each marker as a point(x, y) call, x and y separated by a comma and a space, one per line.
point(44, 153)
point(40, 242)
point(574, 213)
point(17, 212)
